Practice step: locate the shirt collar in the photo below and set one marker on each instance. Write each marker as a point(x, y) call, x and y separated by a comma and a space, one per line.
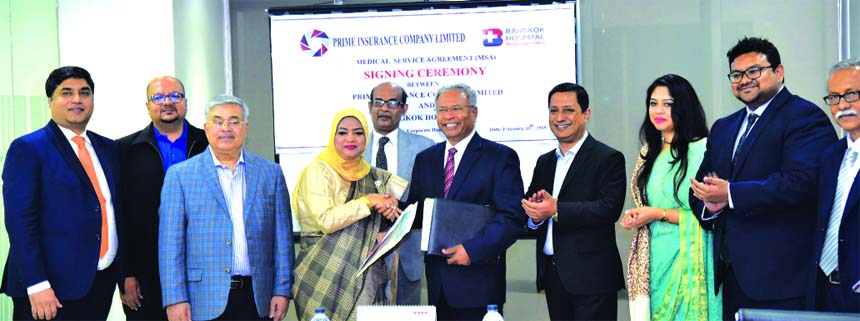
point(392, 137)
point(573, 150)
point(69, 134)
point(218, 164)
point(463, 143)
point(853, 144)
point(160, 136)
point(760, 110)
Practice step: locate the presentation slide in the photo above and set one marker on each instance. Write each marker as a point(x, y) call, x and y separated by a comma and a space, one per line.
point(512, 55)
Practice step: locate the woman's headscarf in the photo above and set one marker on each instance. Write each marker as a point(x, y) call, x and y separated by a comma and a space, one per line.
point(351, 170)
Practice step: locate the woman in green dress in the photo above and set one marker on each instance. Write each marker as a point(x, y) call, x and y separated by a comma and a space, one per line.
point(681, 269)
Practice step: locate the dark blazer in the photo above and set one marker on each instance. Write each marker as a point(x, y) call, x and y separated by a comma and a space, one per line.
point(53, 216)
point(849, 229)
point(589, 203)
point(769, 231)
point(142, 173)
point(488, 174)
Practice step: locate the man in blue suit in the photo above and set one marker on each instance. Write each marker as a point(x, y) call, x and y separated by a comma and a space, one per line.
point(756, 185)
point(835, 276)
point(471, 169)
point(394, 150)
point(225, 242)
point(60, 192)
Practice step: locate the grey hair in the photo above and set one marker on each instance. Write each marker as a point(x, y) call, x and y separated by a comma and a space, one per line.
point(850, 63)
point(471, 95)
point(227, 99)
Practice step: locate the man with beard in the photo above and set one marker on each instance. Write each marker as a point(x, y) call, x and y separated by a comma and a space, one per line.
point(394, 150)
point(144, 158)
point(757, 183)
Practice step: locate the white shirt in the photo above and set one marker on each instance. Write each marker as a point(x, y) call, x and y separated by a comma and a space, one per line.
point(855, 146)
point(113, 241)
point(461, 148)
point(390, 150)
point(562, 166)
point(233, 187)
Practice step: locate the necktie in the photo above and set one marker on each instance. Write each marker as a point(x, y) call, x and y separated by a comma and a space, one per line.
point(381, 160)
point(750, 122)
point(449, 169)
point(87, 163)
point(830, 252)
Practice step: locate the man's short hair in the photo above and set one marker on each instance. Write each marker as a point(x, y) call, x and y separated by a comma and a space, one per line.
point(567, 87)
point(403, 94)
point(471, 95)
point(227, 99)
point(754, 44)
point(850, 63)
point(61, 74)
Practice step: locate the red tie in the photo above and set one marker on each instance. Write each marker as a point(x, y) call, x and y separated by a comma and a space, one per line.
point(87, 162)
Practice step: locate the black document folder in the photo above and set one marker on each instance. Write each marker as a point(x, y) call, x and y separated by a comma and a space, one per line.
point(448, 223)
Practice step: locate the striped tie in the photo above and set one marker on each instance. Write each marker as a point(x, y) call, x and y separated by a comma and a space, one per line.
point(449, 170)
point(830, 253)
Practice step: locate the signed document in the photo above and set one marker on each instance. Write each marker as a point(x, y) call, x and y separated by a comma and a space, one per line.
point(393, 236)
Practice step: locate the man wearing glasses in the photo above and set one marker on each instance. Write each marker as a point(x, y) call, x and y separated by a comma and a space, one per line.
point(144, 158)
point(225, 232)
point(835, 274)
point(394, 150)
point(756, 185)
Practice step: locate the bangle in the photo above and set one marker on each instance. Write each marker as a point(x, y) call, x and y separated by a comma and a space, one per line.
point(664, 218)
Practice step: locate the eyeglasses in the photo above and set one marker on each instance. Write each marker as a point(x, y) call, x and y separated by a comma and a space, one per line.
point(455, 109)
point(849, 97)
point(392, 103)
point(233, 123)
point(161, 99)
point(751, 73)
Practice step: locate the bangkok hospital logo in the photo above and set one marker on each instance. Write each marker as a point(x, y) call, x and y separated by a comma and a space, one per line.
point(315, 43)
point(493, 37)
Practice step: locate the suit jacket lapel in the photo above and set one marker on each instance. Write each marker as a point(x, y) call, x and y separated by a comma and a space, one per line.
point(68, 154)
point(579, 162)
point(404, 147)
point(368, 152)
point(210, 178)
point(252, 177)
point(106, 160)
point(830, 174)
point(759, 127)
point(470, 158)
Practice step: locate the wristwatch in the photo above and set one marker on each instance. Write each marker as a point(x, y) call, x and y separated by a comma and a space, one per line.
point(555, 217)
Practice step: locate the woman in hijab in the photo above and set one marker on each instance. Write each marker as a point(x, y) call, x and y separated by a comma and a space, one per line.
point(342, 204)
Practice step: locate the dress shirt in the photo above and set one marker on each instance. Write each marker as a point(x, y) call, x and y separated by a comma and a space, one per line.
point(461, 149)
point(562, 166)
point(855, 146)
point(390, 150)
point(233, 187)
point(758, 111)
point(172, 152)
point(113, 241)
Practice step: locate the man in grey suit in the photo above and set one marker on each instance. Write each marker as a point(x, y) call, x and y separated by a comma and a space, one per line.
point(394, 150)
point(225, 243)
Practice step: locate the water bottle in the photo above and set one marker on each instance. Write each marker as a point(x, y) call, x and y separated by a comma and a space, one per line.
point(319, 315)
point(493, 313)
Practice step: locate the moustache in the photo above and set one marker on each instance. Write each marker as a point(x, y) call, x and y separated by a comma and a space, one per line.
point(847, 112)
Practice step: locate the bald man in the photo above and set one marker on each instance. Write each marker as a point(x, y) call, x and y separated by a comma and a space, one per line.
point(144, 158)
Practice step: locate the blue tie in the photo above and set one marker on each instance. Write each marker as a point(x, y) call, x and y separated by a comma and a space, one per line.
point(830, 252)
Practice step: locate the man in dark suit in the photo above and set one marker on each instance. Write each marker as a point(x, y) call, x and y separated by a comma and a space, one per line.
point(756, 185)
point(835, 276)
point(60, 191)
point(573, 201)
point(144, 157)
point(470, 169)
point(394, 150)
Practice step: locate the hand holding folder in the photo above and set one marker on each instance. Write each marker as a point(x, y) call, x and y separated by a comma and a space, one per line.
point(448, 223)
